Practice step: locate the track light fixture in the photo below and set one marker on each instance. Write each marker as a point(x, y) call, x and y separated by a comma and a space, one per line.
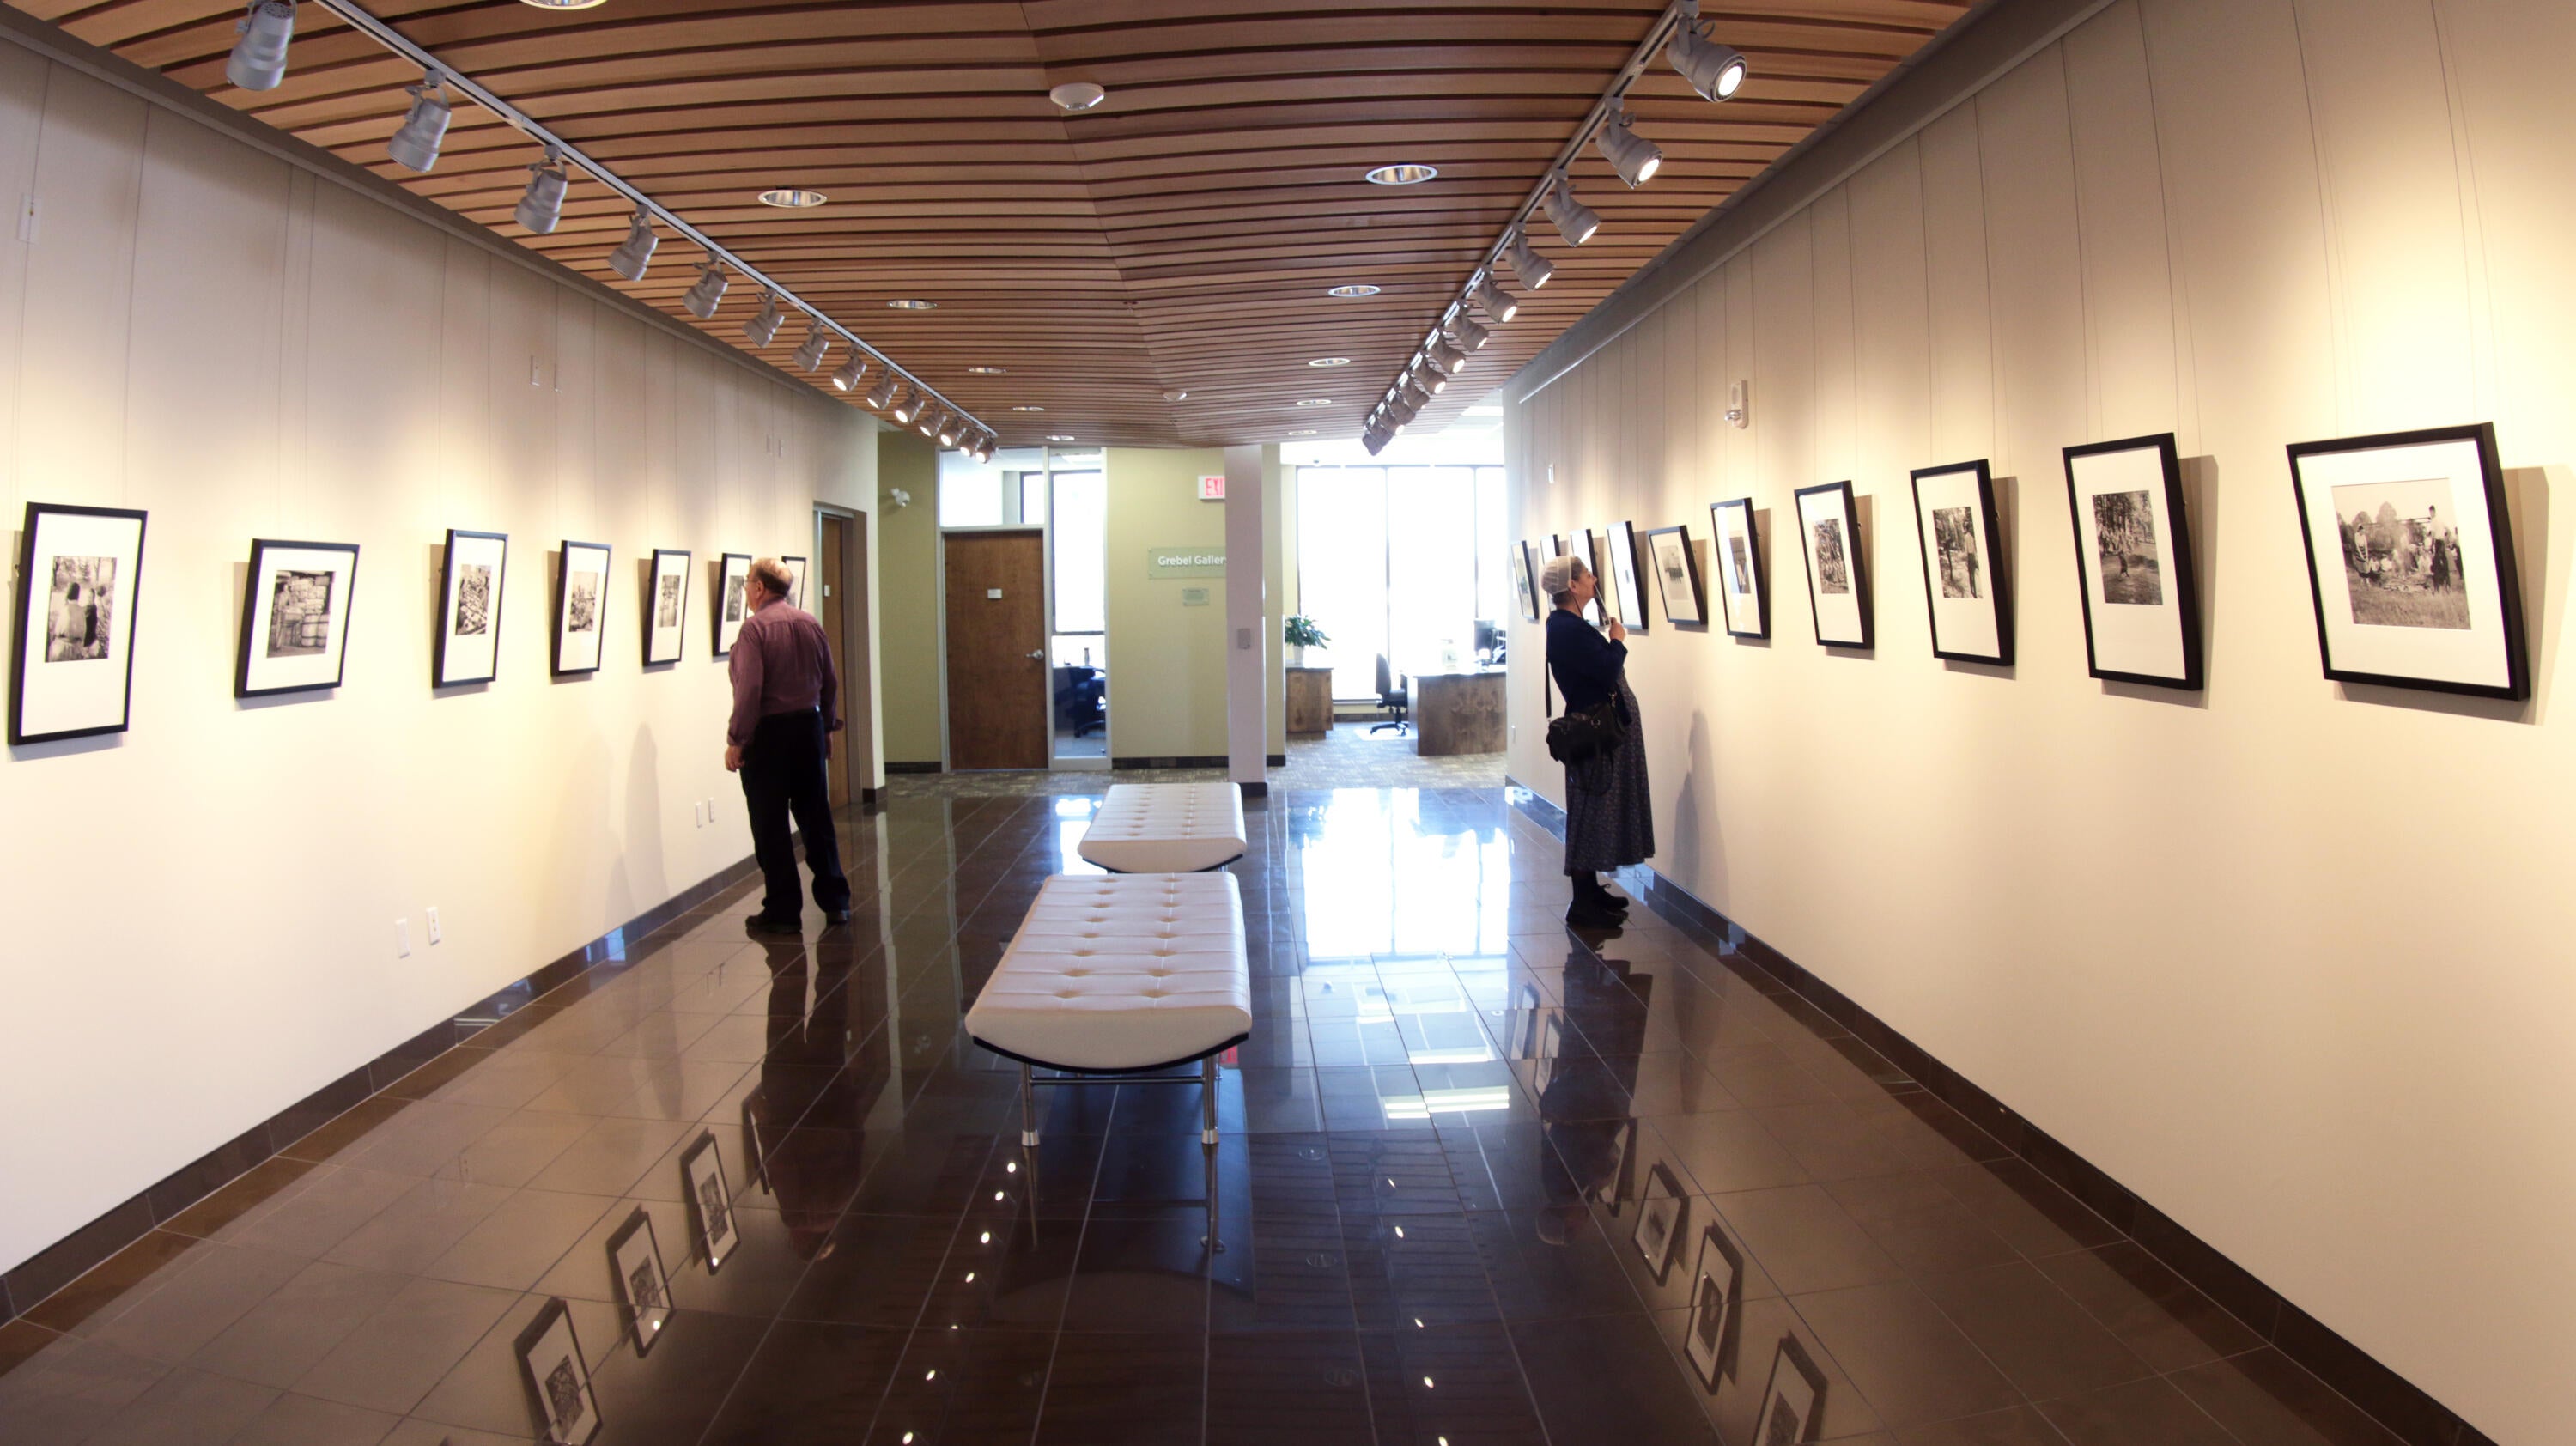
point(1447, 357)
point(1634, 157)
point(950, 429)
point(810, 351)
point(883, 396)
point(1497, 302)
point(764, 323)
point(905, 407)
point(415, 143)
point(1716, 71)
point(259, 57)
point(847, 378)
point(1533, 269)
point(1425, 378)
point(541, 206)
point(635, 252)
point(707, 291)
point(1469, 336)
point(1574, 220)
point(928, 424)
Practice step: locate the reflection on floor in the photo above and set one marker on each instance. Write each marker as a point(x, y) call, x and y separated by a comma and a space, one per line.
point(1094, 744)
point(1481, 1181)
point(1347, 757)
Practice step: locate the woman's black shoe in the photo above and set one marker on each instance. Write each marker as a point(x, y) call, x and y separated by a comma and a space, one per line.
point(1591, 913)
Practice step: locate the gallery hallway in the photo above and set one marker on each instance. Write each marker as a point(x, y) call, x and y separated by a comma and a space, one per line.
point(1438, 1143)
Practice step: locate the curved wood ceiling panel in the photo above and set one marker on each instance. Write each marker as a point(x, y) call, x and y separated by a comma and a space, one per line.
point(1180, 236)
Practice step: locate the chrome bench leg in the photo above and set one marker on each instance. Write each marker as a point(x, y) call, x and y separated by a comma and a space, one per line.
point(1207, 1100)
point(1028, 1107)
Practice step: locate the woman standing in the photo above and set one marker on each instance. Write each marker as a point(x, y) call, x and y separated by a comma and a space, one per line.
point(1609, 819)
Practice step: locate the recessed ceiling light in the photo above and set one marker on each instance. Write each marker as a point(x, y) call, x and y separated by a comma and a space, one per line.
point(990, 371)
point(1077, 95)
point(563, 4)
point(912, 304)
point(792, 198)
point(1059, 436)
point(1316, 402)
point(1176, 394)
point(1025, 408)
point(1303, 432)
point(1352, 291)
point(1330, 361)
point(1406, 175)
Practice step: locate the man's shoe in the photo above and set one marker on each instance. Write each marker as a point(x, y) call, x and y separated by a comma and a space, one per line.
point(763, 924)
point(836, 916)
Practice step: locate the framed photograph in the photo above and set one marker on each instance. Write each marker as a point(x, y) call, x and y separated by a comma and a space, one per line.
point(2133, 562)
point(558, 1379)
point(1677, 575)
point(2410, 561)
point(666, 606)
point(1524, 581)
point(1661, 1209)
point(581, 607)
point(469, 610)
point(1964, 584)
point(1837, 570)
point(1620, 1185)
point(1736, 553)
point(80, 570)
point(796, 585)
point(1793, 1400)
point(1555, 548)
point(1625, 589)
point(702, 1180)
point(295, 617)
point(1588, 548)
point(1717, 1292)
point(733, 577)
point(643, 1286)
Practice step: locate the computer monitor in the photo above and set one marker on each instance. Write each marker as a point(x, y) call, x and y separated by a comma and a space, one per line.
point(1488, 636)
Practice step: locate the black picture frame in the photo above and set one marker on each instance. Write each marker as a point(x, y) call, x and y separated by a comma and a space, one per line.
point(1658, 1233)
point(1968, 568)
point(796, 567)
point(1525, 578)
point(733, 581)
point(1710, 1328)
point(1800, 1391)
point(710, 1200)
point(670, 566)
point(123, 605)
point(1628, 588)
point(1696, 593)
point(641, 1280)
point(336, 630)
point(453, 606)
point(553, 1369)
point(1729, 522)
point(1853, 559)
point(2177, 596)
point(566, 601)
point(2489, 569)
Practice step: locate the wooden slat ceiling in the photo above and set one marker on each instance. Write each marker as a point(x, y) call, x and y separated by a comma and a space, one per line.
point(1180, 236)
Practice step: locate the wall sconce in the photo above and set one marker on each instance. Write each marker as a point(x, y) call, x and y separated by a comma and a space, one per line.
point(900, 498)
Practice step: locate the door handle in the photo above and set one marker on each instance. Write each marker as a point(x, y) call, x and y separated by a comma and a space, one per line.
point(1039, 653)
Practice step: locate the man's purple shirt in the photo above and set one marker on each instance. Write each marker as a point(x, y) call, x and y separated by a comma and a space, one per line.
point(782, 663)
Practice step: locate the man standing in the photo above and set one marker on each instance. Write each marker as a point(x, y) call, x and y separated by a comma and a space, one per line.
point(786, 707)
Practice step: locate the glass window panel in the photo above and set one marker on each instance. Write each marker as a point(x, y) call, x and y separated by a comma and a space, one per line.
point(1431, 569)
point(1081, 541)
point(1341, 571)
point(970, 493)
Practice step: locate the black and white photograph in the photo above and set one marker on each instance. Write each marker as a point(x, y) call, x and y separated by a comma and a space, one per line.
point(1964, 585)
point(1676, 566)
point(733, 581)
point(1620, 1185)
point(1793, 1400)
point(643, 1286)
point(666, 606)
point(1662, 1211)
point(2410, 561)
point(1586, 544)
point(72, 672)
point(295, 617)
point(702, 1176)
point(1837, 566)
point(1621, 542)
point(581, 603)
point(796, 586)
point(1524, 581)
point(557, 1378)
point(2133, 562)
point(1738, 553)
point(469, 628)
point(1717, 1295)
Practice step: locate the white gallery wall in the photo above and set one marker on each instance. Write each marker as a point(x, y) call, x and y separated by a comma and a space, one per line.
point(200, 913)
point(2291, 960)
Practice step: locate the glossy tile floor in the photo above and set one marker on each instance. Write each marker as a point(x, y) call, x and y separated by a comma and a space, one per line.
point(1475, 1172)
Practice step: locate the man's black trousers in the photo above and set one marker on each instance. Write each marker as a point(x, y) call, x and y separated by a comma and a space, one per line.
point(784, 776)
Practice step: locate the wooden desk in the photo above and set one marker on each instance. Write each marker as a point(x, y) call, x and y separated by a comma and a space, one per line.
point(1458, 712)
point(1310, 702)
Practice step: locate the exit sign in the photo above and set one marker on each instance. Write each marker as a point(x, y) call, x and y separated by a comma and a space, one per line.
point(1212, 489)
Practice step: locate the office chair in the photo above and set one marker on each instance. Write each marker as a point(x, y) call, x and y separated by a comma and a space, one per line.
point(1392, 698)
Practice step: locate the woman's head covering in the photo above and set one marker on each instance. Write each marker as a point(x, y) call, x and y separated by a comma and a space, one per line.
point(1558, 574)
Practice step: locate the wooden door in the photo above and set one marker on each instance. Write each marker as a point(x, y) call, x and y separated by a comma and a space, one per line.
point(997, 670)
point(828, 582)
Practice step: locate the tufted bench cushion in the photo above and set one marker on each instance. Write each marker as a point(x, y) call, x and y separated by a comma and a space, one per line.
point(1128, 972)
point(1166, 828)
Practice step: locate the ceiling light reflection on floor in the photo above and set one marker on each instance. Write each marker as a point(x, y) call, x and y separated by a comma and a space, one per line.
point(1482, 1099)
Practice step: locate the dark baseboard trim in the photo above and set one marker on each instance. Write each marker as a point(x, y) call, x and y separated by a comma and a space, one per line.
point(893, 768)
point(1254, 790)
point(1184, 760)
point(872, 800)
point(2395, 1402)
point(488, 1021)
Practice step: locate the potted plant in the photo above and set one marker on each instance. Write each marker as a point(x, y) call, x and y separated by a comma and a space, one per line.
point(1303, 634)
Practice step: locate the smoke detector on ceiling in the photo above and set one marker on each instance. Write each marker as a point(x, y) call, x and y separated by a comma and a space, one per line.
point(1076, 96)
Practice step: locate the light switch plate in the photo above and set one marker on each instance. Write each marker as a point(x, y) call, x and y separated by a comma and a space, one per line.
point(433, 926)
point(402, 938)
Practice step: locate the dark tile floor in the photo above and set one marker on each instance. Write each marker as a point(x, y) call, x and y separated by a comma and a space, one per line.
point(1474, 1175)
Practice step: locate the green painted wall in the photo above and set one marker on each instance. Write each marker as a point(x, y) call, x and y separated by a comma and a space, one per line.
point(908, 643)
point(1166, 660)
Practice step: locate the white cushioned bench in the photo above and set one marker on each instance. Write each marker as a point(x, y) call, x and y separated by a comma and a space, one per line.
point(1120, 975)
point(1166, 828)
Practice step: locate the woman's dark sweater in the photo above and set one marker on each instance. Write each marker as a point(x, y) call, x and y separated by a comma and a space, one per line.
point(1586, 664)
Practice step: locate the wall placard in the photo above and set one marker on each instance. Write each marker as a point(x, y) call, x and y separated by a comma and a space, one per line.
point(1185, 561)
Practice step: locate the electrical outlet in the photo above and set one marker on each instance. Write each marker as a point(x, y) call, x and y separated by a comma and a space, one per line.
point(402, 938)
point(433, 926)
